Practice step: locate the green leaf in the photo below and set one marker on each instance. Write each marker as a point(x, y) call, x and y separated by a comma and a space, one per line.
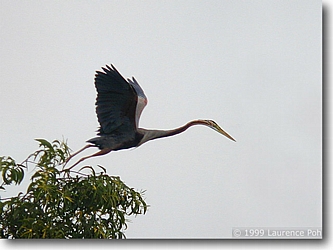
point(44, 142)
point(103, 168)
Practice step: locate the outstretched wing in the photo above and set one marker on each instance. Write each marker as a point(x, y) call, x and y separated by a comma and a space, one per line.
point(142, 99)
point(116, 101)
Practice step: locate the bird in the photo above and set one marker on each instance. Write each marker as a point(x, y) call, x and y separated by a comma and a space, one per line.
point(119, 105)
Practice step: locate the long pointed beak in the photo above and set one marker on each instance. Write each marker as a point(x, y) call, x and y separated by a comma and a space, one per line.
point(221, 131)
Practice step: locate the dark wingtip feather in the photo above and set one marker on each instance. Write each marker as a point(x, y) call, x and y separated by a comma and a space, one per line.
point(109, 68)
point(115, 70)
point(105, 71)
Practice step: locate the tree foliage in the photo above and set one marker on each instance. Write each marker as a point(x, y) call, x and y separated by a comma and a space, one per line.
point(63, 203)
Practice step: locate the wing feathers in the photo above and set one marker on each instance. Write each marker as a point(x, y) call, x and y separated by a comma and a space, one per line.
point(116, 102)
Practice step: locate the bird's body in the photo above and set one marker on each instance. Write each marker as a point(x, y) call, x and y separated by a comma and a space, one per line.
point(119, 104)
point(117, 141)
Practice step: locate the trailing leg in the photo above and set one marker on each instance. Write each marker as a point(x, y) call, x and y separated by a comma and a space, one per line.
point(71, 156)
point(101, 152)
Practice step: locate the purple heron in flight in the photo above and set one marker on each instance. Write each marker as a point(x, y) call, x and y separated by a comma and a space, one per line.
point(119, 104)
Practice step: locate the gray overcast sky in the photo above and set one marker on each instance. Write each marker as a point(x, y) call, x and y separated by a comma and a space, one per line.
point(252, 66)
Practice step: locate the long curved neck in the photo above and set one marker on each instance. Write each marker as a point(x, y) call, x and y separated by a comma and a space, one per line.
point(149, 134)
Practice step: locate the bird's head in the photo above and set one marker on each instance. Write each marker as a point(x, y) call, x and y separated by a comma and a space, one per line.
point(217, 128)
